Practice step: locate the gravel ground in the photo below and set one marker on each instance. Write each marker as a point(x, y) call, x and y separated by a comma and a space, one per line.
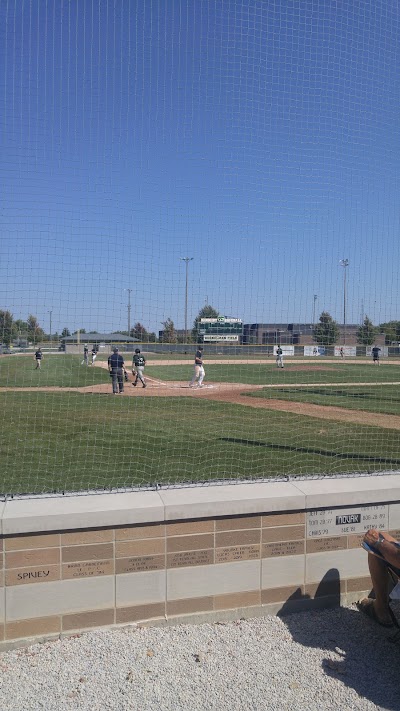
point(331, 660)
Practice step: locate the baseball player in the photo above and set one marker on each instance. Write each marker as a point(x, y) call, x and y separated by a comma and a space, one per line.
point(279, 357)
point(138, 363)
point(199, 371)
point(375, 355)
point(116, 370)
point(95, 351)
point(85, 355)
point(38, 358)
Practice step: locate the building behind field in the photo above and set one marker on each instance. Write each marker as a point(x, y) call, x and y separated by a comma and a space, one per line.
point(297, 334)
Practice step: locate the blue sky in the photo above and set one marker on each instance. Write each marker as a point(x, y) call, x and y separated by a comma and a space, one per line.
point(260, 138)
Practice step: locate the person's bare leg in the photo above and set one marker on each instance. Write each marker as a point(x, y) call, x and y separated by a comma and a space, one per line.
point(380, 580)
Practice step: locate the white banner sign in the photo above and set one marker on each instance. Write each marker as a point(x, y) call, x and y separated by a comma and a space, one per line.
point(314, 351)
point(218, 338)
point(287, 350)
point(345, 351)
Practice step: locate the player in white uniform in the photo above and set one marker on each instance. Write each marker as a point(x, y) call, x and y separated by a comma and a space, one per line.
point(199, 371)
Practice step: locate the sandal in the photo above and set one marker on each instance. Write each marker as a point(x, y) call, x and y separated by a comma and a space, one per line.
point(367, 607)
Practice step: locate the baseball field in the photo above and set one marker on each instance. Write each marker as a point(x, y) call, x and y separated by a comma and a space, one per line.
point(63, 430)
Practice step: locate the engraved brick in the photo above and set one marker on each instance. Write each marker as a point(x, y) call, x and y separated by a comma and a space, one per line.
point(134, 565)
point(280, 548)
point(233, 601)
point(227, 555)
point(140, 612)
point(93, 618)
point(40, 626)
point(282, 594)
point(395, 533)
point(74, 538)
point(1, 578)
point(40, 557)
point(135, 533)
point(333, 543)
point(102, 551)
point(24, 576)
point(1, 544)
point(20, 543)
point(358, 584)
point(354, 541)
point(87, 569)
point(184, 559)
point(287, 519)
point(189, 607)
point(238, 523)
point(190, 527)
point(190, 543)
point(237, 538)
point(283, 533)
point(130, 549)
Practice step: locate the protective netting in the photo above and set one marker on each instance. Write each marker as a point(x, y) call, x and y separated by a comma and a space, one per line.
point(178, 173)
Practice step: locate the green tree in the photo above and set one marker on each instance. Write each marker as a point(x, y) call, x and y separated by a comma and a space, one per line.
point(7, 327)
point(169, 333)
point(65, 332)
point(367, 332)
point(391, 329)
point(35, 332)
point(139, 332)
point(326, 332)
point(206, 312)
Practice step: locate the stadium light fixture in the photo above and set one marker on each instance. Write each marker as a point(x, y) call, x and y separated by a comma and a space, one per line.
point(186, 260)
point(344, 263)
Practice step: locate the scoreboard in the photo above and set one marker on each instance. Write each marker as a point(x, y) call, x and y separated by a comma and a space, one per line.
point(220, 330)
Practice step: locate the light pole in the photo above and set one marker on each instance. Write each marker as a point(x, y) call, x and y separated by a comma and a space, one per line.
point(186, 260)
point(344, 263)
point(129, 311)
point(50, 313)
point(313, 313)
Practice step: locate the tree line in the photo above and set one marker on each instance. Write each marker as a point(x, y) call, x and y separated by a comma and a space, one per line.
point(326, 332)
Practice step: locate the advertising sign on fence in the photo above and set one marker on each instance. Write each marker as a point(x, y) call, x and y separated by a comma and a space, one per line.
point(287, 350)
point(345, 351)
point(314, 350)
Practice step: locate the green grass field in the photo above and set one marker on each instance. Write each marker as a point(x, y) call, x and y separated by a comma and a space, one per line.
point(57, 370)
point(269, 374)
point(54, 441)
point(381, 399)
point(68, 441)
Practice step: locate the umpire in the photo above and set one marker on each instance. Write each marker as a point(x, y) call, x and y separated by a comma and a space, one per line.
point(116, 370)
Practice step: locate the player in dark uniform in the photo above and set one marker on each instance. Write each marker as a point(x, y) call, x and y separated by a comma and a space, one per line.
point(38, 358)
point(116, 370)
point(85, 355)
point(375, 355)
point(138, 363)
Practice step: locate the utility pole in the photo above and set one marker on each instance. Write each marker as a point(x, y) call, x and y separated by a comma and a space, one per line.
point(344, 263)
point(186, 260)
point(50, 312)
point(313, 313)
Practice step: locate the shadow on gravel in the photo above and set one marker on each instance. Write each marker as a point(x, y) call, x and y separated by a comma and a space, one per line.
point(361, 655)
